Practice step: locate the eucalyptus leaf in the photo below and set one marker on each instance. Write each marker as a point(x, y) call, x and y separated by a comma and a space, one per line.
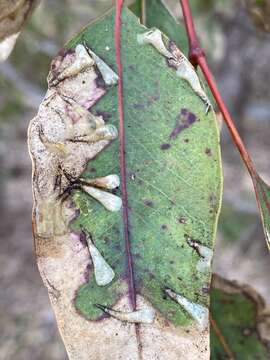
point(92, 268)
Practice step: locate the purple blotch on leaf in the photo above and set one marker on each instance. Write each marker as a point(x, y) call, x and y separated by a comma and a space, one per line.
point(165, 146)
point(183, 121)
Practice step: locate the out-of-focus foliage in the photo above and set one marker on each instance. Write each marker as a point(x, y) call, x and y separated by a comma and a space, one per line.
point(234, 223)
point(259, 11)
point(240, 322)
point(13, 15)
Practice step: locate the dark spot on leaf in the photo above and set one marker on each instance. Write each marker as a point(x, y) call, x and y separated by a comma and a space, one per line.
point(107, 240)
point(165, 146)
point(92, 169)
point(87, 272)
point(213, 203)
point(173, 62)
point(208, 152)
point(82, 239)
point(193, 243)
point(186, 140)
point(132, 176)
point(182, 220)
point(99, 80)
point(183, 121)
point(148, 203)
point(164, 227)
point(105, 115)
point(205, 290)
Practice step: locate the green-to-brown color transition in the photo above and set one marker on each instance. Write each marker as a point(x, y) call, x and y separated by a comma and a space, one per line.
point(173, 179)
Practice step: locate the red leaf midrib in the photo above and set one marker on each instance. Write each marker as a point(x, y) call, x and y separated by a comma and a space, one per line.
point(122, 159)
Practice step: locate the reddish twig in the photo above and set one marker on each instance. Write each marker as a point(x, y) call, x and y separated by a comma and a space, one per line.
point(122, 159)
point(197, 57)
point(195, 51)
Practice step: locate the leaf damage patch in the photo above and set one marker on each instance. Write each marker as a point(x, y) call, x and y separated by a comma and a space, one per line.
point(185, 120)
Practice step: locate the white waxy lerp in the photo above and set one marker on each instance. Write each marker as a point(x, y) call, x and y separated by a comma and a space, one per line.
point(144, 316)
point(7, 45)
point(106, 182)
point(205, 263)
point(154, 37)
point(110, 201)
point(185, 69)
point(104, 274)
point(198, 312)
point(106, 132)
point(109, 76)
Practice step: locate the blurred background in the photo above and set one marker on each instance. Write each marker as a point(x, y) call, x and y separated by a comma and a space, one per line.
point(238, 49)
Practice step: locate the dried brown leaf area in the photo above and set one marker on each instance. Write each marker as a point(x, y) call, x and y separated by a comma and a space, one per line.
point(13, 14)
point(63, 138)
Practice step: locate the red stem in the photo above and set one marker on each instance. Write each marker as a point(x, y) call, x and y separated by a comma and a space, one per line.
point(195, 51)
point(117, 38)
point(226, 115)
point(197, 57)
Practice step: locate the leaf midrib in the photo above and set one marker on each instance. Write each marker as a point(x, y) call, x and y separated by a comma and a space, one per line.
point(122, 157)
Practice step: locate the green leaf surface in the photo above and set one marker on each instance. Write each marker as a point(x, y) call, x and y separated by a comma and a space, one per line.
point(174, 182)
point(158, 15)
point(236, 310)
